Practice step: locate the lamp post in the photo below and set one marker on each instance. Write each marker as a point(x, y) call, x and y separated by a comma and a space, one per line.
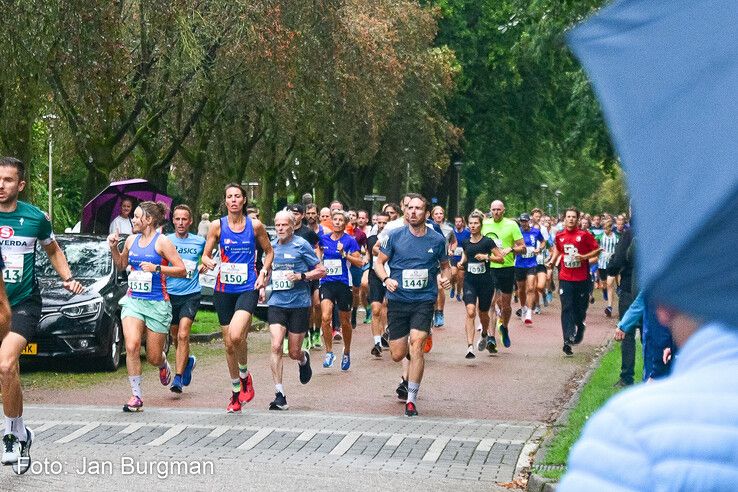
point(543, 196)
point(458, 165)
point(252, 185)
point(50, 119)
point(558, 194)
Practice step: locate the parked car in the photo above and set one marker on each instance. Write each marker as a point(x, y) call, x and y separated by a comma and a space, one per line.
point(207, 282)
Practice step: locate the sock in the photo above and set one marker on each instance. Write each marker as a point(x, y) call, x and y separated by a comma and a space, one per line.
point(604, 294)
point(412, 391)
point(469, 348)
point(236, 385)
point(243, 371)
point(280, 388)
point(15, 426)
point(377, 339)
point(304, 360)
point(135, 385)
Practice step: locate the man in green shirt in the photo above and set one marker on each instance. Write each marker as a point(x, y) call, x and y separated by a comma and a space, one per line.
point(21, 226)
point(508, 238)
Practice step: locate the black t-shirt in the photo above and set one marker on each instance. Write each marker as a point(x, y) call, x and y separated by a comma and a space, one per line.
point(308, 235)
point(370, 242)
point(484, 246)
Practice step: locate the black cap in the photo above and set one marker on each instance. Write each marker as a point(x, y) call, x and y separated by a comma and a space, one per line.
point(524, 217)
point(297, 208)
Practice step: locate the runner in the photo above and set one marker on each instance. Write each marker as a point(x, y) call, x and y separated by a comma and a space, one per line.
point(607, 241)
point(574, 247)
point(308, 234)
point(462, 234)
point(377, 290)
point(237, 286)
point(339, 249)
point(184, 294)
point(506, 235)
point(479, 287)
point(21, 226)
point(325, 220)
point(356, 272)
point(526, 268)
point(414, 255)
point(362, 222)
point(150, 258)
point(311, 214)
point(447, 231)
point(295, 266)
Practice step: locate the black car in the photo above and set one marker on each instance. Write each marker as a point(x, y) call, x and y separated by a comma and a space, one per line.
point(86, 325)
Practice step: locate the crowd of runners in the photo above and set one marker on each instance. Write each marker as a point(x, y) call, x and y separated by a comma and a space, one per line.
point(325, 266)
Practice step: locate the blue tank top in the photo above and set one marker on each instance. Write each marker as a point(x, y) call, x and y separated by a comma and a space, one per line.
point(149, 286)
point(237, 258)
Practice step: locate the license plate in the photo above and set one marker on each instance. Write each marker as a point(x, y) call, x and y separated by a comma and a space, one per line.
point(30, 349)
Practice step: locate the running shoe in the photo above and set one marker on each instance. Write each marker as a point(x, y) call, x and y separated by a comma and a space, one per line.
point(567, 350)
point(428, 343)
point(176, 384)
point(306, 344)
point(402, 390)
point(482, 343)
point(279, 403)
point(329, 359)
point(435, 318)
point(134, 405)
point(385, 340)
point(165, 374)
point(580, 334)
point(545, 301)
point(247, 389)
point(306, 372)
point(470, 353)
point(337, 337)
point(234, 405)
point(458, 297)
point(410, 410)
point(549, 297)
point(368, 316)
point(505, 336)
point(377, 350)
point(491, 345)
point(537, 310)
point(519, 313)
point(345, 362)
point(187, 374)
point(11, 449)
point(441, 320)
point(452, 293)
point(608, 311)
point(604, 294)
point(316, 339)
point(528, 321)
point(23, 463)
point(285, 346)
point(591, 299)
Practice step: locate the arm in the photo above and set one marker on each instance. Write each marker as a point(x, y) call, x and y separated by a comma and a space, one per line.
point(59, 262)
point(446, 274)
point(379, 262)
point(120, 258)
point(519, 247)
point(632, 317)
point(266, 247)
point(355, 259)
point(213, 237)
point(166, 249)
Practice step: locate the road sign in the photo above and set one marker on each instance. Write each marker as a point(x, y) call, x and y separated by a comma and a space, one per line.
point(375, 198)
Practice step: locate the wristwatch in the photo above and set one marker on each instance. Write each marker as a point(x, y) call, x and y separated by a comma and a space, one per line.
point(158, 268)
point(303, 276)
point(383, 281)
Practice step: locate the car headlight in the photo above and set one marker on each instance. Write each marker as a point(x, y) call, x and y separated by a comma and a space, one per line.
point(83, 309)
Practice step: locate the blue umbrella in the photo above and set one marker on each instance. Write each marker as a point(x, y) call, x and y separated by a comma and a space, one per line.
point(666, 74)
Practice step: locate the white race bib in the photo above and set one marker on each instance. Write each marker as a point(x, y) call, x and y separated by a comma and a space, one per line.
point(13, 272)
point(528, 252)
point(334, 268)
point(140, 281)
point(280, 281)
point(476, 268)
point(571, 261)
point(234, 273)
point(190, 266)
point(458, 251)
point(540, 259)
point(415, 279)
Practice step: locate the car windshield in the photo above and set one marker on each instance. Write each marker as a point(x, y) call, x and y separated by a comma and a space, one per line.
point(86, 258)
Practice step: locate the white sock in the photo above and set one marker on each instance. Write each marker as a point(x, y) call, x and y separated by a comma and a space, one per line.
point(165, 363)
point(235, 385)
point(15, 426)
point(280, 388)
point(135, 385)
point(377, 339)
point(529, 314)
point(412, 391)
point(304, 359)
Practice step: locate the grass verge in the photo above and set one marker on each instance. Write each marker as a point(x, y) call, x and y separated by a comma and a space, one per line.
point(595, 393)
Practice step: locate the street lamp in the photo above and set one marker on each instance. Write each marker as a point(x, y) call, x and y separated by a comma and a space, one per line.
point(458, 165)
point(252, 185)
point(558, 194)
point(543, 195)
point(50, 119)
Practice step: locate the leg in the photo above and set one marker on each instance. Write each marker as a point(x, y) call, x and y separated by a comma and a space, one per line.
point(133, 329)
point(505, 308)
point(182, 341)
point(346, 330)
point(471, 314)
point(627, 347)
point(238, 331)
point(10, 349)
point(277, 333)
point(326, 307)
point(522, 294)
point(566, 293)
point(417, 363)
point(377, 326)
point(230, 350)
point(530, 291)
point(155, 348)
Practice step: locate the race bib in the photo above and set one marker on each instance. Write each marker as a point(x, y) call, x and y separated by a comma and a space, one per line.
point(458, 251)
point(280, 280)
point(334, 268)
point(13, 272)
point(140, 281)
point(540, 259)
point(415, 279)
point(476, 268)
point(529, 252)
point(191, 267)
point(234, 273)
point(571, 261)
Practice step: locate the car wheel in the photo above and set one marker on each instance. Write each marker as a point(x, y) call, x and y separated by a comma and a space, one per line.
point(111, 361)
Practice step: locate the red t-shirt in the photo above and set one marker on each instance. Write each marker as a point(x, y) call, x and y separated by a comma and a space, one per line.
point(570, 243)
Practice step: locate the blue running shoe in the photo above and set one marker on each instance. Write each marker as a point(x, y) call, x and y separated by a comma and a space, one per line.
point(176, 384)
point(505, 336)
point(187, 374)
point(345, 362)
point(453, 293)
point(329, 359)
point(440, 319)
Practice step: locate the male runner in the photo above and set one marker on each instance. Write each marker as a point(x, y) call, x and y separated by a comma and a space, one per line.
point(184, 294)
point(415, 254)
point(21, 226)
point(308, 234)
point(506, 235)
point(462, 233)
point(311, 214)
point(447, 231)
point(295, 266)
point(377, 290)
point(362, 222)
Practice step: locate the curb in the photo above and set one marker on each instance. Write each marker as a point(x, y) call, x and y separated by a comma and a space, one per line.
point(538, 483)
point(256, 325)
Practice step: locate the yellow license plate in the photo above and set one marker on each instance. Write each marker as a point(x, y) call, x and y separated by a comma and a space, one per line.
point(31, 349)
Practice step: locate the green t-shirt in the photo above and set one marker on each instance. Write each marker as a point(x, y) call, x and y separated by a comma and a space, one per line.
point(504, 233)
point(19, 231)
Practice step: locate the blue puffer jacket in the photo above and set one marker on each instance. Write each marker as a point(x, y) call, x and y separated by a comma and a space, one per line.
point(679, 433)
